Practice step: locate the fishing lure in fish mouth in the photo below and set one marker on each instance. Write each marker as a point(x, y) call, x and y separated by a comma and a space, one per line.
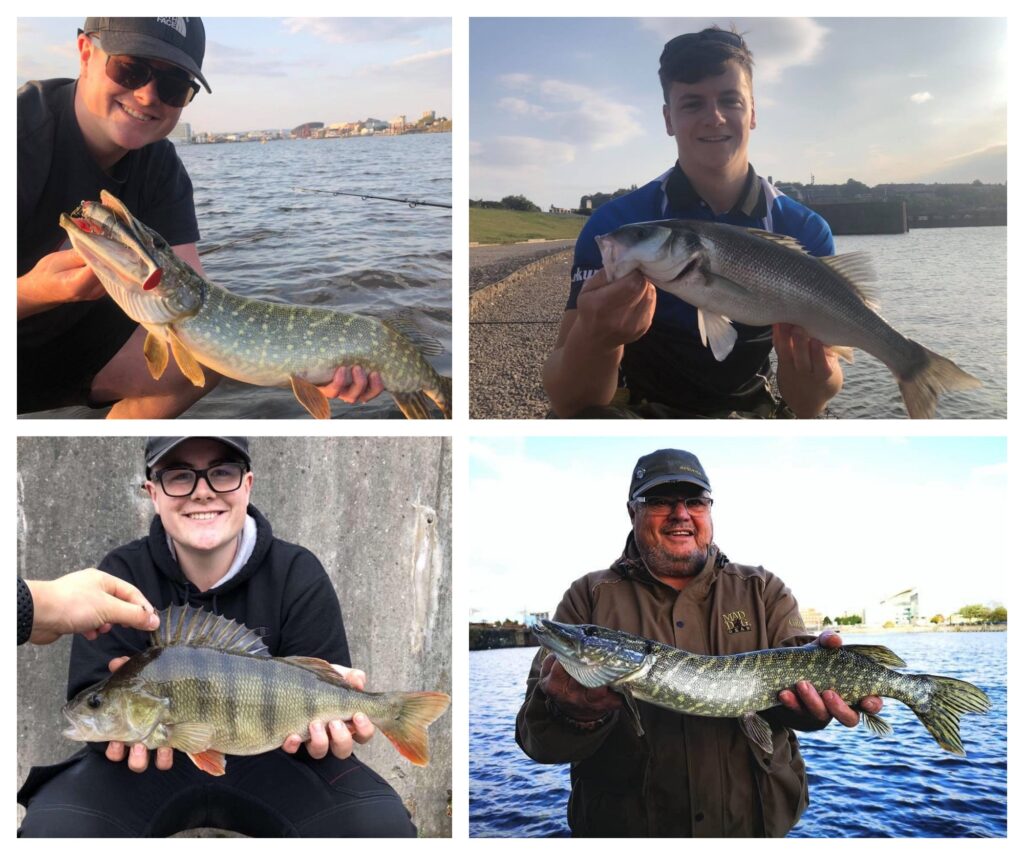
point(745, 684)
point(253, 341)
point(208, 686)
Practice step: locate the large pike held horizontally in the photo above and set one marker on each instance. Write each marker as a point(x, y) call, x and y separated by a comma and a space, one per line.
point(732, 274)
point(209, 687)
point(254, 341)
point(745, 684)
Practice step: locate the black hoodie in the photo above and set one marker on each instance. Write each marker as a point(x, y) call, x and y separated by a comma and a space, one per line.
point(283, 591)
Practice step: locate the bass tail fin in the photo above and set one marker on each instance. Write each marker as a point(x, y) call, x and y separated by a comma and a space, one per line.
point(408, 729)
point(932, 376)
point(949, 700)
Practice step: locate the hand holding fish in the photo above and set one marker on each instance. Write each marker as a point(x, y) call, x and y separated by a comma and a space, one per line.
point(354, 385)
point(339, 736)
point(60, 277)
point(805, 700)
point(574, 700)
point(809, 373)
point(618, 312)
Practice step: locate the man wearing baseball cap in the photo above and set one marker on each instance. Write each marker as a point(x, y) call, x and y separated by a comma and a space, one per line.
point(209, 547)
point(687, 776)
point(107, 131)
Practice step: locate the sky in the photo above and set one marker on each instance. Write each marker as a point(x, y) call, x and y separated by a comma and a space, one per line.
point(277, 73)
point(845, 522)
point(576, 108)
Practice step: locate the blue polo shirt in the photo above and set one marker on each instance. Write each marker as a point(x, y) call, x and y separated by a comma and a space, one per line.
point(669, 364)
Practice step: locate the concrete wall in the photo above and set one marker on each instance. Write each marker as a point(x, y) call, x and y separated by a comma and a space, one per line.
point(375, 511)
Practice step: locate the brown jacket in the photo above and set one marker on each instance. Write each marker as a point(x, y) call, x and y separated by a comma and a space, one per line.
point(688, 775)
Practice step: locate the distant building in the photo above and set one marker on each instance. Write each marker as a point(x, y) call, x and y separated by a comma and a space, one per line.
point(900, 609)
point(308, 130)
point(182, 133)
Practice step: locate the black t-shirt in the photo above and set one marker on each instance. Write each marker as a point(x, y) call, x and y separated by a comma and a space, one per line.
point(56, 172)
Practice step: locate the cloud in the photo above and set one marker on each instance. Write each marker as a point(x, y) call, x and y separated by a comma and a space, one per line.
point(987, 164)
point(427, 56)
point(922, 97)
point(356, 30)
point(572, 113)
point(776, 43)
point(521, 153)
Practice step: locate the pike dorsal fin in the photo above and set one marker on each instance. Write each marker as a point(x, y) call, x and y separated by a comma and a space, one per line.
point(194, 627)
point(878, 654)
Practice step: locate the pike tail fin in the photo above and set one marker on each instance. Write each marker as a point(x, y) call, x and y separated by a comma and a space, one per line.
point(949, 700)
point(442, 395)
point(407, 730)
point(929, 378)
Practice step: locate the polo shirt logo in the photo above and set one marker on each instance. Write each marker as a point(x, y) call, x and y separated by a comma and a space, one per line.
point(736, 622)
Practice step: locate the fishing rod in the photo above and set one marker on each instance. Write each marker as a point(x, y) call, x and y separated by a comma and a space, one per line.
point(412, 203)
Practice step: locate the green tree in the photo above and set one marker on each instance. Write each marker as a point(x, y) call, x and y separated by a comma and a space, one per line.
point(998, 614)
point(519, 203)
point(937, 619)
point(827, 621)
point(975, 612)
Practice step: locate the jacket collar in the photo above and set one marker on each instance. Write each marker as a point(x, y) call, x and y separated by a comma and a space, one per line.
point(631, 566)
point(682, 195)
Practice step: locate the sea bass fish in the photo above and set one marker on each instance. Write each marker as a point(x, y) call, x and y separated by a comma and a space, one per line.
point(732, 274)
point(208, 686)
point(743, 685)
point(254, 341)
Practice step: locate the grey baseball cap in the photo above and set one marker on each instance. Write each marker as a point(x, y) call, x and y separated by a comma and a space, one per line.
point(667, 466)
point(181, 41)
point(158, 446)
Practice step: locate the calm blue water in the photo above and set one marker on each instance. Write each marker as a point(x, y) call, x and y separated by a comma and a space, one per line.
point(861, 785)
point(946, 290)
point(262, 239)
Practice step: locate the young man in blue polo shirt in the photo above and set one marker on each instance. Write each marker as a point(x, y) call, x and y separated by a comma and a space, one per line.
point(628, 350)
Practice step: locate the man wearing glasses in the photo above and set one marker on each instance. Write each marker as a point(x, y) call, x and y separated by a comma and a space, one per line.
point(687, 776)
point(208, 547)
point(626, 349)
point(107, 130)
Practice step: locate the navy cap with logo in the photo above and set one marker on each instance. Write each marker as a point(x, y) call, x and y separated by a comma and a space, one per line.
point(158, 446)
point(181, 41)
point(667, 466)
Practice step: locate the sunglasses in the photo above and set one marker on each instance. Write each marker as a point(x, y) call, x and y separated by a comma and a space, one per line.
point(175, 88)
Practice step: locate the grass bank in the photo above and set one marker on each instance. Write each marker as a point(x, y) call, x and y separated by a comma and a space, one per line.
point(496, 225)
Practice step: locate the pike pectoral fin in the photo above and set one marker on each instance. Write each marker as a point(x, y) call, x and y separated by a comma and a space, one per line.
point(155, 351)
point(634, 711)
point(311, 398)
point(717, 332)
point(757, 730)
point(414, 405)
point(876, 724)
point(186, 361)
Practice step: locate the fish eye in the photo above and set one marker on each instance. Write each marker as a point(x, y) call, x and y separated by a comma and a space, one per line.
point(95, 700)
point(589, 630)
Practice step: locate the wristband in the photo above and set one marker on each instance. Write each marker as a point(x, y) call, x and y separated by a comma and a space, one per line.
point(26, 612)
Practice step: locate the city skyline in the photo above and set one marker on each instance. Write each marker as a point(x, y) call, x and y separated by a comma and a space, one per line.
point(578, 109)
point(284, 72)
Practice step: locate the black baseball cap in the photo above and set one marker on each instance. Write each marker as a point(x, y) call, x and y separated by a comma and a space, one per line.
point(181, 41)
point(667, 466)
point(158, 446)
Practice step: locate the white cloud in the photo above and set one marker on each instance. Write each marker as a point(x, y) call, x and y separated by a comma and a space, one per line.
point(921, 97)
point(570, 111)
point(357, 30)
point(427, 56)
point(521, 153)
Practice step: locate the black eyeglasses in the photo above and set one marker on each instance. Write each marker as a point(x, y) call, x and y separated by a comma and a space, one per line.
point(180, 481)
point(175, 88)
point(660, 506)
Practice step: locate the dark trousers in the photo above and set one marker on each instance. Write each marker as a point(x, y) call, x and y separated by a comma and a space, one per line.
point(267, 795)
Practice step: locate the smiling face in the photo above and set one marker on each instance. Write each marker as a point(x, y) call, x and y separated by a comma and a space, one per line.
point(711, 121)
point(113, 119)
point(674, 546)
point(204, 522)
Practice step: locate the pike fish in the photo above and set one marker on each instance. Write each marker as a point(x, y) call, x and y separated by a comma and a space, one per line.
point(732, 274)
point(743, 685)
point(254, 341)
point(208, 686)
